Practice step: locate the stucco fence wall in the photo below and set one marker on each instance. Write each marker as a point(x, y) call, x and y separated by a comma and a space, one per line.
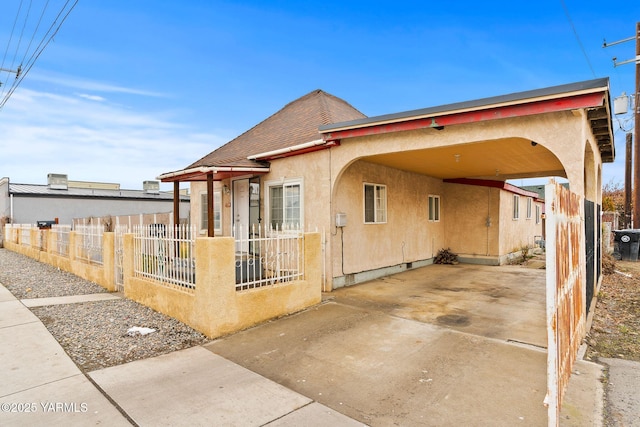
point(215, 308)
point(103, 274)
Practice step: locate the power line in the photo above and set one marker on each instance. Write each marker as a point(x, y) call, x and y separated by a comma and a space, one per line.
point(575, 32)
point(4, 57)
point(24, 68)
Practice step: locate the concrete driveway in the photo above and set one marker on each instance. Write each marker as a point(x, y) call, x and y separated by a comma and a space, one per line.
point(439, 345)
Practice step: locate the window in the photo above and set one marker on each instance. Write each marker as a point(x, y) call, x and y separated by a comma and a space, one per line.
point(529, 207)
point(434, 208)
point(285, 204)
point(516, 206)
point(217, 211)
point(537, 214)
point(375, 203)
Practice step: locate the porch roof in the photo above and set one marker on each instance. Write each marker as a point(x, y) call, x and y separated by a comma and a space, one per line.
point(591, 95)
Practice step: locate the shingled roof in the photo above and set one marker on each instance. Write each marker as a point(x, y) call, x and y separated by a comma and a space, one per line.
point(296, 123)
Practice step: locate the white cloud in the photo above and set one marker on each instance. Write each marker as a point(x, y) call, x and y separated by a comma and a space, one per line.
point(91, 97)
point(46, 133)
point(89, 85)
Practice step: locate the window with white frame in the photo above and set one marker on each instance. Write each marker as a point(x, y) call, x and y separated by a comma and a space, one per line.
point(529, 207)
point(434, 208)
point(537, 213)
point(375, 203)
point(285, 203)
point(516, 206)
point(217, 212)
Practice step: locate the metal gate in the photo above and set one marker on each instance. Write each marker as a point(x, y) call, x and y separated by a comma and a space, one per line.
point(589, 234)
point(565, 293)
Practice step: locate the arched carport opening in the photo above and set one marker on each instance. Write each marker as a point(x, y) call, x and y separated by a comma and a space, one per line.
point(467, 183)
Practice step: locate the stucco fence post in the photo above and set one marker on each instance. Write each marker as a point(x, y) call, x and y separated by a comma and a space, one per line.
point(216, 308)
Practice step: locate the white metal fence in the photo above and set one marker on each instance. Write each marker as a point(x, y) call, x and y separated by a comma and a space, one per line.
point(166, 254)
point(266, 255)
point(25, 233)
point(118, 256)
point(11, 232)
point(61, 232)
point(89, 243)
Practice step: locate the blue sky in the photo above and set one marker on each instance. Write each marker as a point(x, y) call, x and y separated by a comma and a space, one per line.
point(128, 90)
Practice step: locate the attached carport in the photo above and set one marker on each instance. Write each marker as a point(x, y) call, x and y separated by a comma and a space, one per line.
point(562, 131)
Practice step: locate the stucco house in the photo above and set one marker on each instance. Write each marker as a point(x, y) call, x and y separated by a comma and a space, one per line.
point(391, 191)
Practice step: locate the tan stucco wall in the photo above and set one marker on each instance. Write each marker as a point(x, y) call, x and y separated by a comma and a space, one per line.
point(466, 211)
point(103, 274)
point(516, 234)
point(407, 235)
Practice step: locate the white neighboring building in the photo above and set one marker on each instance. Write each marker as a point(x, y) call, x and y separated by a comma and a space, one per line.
point(66, 200)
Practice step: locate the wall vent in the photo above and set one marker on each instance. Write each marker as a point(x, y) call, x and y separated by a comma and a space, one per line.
point(151, 187)
point(57, 181)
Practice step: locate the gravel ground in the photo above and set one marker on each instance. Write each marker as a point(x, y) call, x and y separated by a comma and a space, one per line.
point(94, 334)
point(27, 278)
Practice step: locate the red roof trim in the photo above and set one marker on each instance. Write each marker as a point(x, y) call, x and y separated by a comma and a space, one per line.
point(438, 121)
point(494, 184)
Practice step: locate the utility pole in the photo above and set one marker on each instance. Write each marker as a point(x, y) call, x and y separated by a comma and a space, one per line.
point(635, 217)
point(635, 220)
point(16, 72)
point(626, 223)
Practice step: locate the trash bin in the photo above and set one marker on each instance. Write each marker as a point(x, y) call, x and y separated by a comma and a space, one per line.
point(626, 243)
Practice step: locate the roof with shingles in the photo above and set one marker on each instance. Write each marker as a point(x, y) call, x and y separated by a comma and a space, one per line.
point(296, 123)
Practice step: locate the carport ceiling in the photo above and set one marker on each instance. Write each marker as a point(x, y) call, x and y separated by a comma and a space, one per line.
point(499, 159)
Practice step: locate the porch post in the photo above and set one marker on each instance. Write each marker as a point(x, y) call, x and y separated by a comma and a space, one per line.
point(176, 203)
point(210, 225)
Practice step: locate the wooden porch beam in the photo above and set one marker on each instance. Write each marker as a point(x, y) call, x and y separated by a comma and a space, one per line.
point(210, 225)
point(176, 203)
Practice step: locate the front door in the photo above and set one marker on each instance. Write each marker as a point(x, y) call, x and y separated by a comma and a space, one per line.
point(241, 214)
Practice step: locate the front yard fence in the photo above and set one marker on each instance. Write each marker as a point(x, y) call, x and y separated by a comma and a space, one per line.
point(61, 238)
point(166, 254)
point(25, 234)
point(217, 285)
point(89, 243)
point(266, 255)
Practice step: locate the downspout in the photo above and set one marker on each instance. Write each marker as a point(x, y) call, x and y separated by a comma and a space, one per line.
point(11, 208)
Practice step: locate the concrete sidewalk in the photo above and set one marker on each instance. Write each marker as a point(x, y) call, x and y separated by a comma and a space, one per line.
point(623, 402)
point(42, 386)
